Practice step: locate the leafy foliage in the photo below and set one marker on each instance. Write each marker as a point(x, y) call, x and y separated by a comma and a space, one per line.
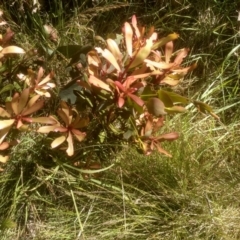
point(121, 93)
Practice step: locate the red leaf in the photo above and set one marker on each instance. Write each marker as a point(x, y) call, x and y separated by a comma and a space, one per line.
point(168, 137)
point(136, 99)
point(120, 86)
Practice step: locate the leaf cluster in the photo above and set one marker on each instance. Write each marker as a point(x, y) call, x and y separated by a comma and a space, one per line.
point(121, 93)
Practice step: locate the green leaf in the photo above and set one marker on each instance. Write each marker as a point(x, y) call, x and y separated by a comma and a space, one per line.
point(102, 136)
point(88, 171)
point(67, 93)
point(135, 105)
point(128, 134)
point(70, 51)
point(8, 87)
point(165, 98)
point(141, 55)
point(147, 93)
point(156, 107)
point(175, 98)
point(84, 99)
point(47, 51)
point(164, 40)
point(17, 86)
point(176, 109)
point(205, 108)
point(3, 68)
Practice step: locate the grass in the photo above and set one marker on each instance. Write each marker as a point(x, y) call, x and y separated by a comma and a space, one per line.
point(193, 195)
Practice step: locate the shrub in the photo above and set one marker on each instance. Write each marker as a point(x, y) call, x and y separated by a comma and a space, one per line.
point(122, 92)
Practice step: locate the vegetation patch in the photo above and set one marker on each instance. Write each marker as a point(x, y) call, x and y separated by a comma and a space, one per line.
point(109, 133)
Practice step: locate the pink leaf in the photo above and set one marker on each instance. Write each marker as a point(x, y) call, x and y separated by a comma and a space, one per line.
point(19, 124)
point(128, 34)
point(70, 149)
point(160, 65)
point(99, 83)
point(4, 113)
point(14, 103)
point(12, 49)
point(23, 99)
point(79, 135)
point(58, 141)
point(60, 129)
point(66, 118)
point(4, 132)
point(121, 102)
point(136, 99)
point(109, 57)
point(134, 23)
point(113, 47)
point(185, 70)
point(168, 51)
point(4, 145)
point(46, 129)
point(161, 150)
point(6, 123)
point(168, 137)
point(34, 108)
point(120, 86)
point(33, 100)
point(40, 74)
point(181, 55)
point(46, 120)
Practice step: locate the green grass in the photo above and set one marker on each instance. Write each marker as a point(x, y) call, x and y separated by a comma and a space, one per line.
point(193, 195)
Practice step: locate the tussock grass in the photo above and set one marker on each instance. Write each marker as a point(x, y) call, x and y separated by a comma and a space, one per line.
point(193, 195)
